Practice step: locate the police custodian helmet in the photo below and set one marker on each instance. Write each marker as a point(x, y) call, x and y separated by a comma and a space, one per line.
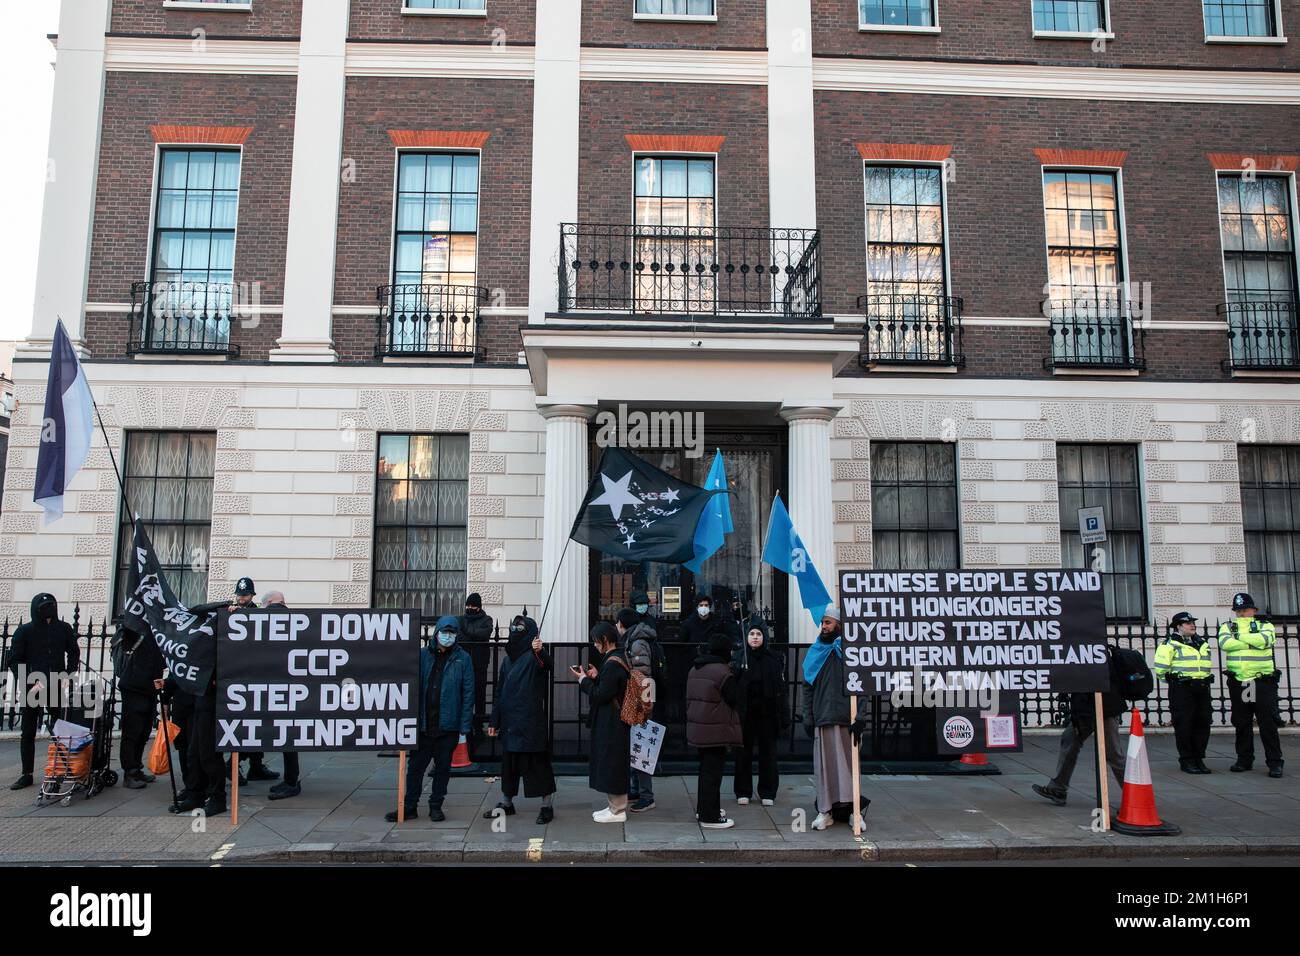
point(245, 586)
point(1242, 601)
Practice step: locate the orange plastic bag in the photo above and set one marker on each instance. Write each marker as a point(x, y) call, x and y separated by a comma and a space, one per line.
point(159, 760)
point(60, 763)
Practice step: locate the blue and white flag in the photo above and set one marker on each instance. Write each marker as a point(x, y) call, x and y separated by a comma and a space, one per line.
point(66, 428)
point(715, 524)
point(785, 551)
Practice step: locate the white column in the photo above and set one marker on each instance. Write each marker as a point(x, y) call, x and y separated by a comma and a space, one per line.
point(563, 491)
point(314, 192)
point(555, 146)
point(808, 500)
point(63, 263)
point(792, 174)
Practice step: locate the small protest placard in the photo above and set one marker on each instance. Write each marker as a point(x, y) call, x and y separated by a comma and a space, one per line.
point(647, 741)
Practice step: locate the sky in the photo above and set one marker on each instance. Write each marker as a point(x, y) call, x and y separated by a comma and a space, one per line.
point(27, 79)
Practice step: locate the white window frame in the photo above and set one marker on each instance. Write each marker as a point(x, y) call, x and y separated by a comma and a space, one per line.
point(1295, 218)
point(1105, 34)
point(943, 201)
point(246, 7)
point(1123, 226)
point(1277, 39)
point(430, 12)
point(886, 28)
point(676, 17)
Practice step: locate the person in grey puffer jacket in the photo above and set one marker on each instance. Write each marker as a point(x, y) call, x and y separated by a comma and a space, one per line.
point(639, 642)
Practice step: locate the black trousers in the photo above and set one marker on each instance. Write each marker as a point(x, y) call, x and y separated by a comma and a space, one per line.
point(181, 712)
point(713, 761)
point(32, 720)
point(1189, 706)
point(137, 720)
point(205, 774)
point(1263, 709)
point(436, 747)
point(290, 759)
point(759, 732)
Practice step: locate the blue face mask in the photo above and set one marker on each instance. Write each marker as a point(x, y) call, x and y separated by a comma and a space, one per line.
point(642, 608)
point(446, 638)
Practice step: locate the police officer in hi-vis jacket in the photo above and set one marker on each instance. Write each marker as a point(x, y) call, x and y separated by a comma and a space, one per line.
point(1183, 662)
point(1246, 644)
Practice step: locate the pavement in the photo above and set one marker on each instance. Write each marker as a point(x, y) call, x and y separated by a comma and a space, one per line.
point(339, 818)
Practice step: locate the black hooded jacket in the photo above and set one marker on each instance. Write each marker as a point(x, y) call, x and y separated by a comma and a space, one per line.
point(44, 645)
point(519, 708)
point(762, 681)
point(137, 662)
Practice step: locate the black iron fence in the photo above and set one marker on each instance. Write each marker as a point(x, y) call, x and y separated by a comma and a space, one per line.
point(1262, 335)
point(1094, 333)
point(893, 733)
point(182, 318)
point(690, 270)
point(424, 320)
point(906, 329)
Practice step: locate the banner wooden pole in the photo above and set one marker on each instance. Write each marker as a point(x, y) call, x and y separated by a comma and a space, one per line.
point(1102, 776)
point(857, 769)
point(234, 789)
point(401, 786)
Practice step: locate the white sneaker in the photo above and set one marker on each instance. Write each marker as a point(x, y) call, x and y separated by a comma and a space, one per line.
point(769, 803)
point(726, 823)
point(743, 801)
point(822, 821)
point(609, 816)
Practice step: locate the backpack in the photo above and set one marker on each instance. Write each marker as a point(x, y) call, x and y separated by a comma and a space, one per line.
point(1133, 678)
point(638, 699)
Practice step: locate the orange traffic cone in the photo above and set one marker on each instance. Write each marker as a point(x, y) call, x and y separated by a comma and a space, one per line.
point(460, 756)
point(1137, 811)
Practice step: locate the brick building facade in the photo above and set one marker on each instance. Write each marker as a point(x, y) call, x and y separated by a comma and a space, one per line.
point(527, 189)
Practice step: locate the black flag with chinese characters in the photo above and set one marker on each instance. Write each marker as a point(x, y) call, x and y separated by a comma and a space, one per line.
point(187, 639)
point(638, 512)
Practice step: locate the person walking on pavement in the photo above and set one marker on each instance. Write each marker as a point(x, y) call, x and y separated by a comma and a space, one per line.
point(826, 720)
point(138, 665)
point(1183, 662)
point(44, 654)
point(713, 725)
point(1246, 644)
point(763, 714)
point(291, 785)
point(446, 709)
point(519, 721)
point(1082, 724)
point(640, 644)
point(611, 739)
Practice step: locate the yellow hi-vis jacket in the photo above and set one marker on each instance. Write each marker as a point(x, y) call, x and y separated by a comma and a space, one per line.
point(1247, 647)
point(1177, 659)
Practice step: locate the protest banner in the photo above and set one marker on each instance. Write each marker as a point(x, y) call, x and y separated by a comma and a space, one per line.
point(965, 730)
point(647, 741)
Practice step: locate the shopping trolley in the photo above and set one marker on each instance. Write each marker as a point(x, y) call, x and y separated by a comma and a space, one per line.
point(81, 745)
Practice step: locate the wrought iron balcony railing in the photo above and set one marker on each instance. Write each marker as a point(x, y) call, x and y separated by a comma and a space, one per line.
point(907, 329)
point(1094, 333)
point(429, 320)
point(690, 270)
point(1262, 336)
point(182, 318)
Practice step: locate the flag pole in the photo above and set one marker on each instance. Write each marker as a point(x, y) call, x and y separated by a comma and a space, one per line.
point(554, 580)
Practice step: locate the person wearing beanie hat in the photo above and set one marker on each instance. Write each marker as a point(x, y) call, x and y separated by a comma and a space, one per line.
point(477, 629)
point(640, 642)
point(761, 703)
point(712, 725)
point(519, 721)
point(611, 739)
point(826, 719)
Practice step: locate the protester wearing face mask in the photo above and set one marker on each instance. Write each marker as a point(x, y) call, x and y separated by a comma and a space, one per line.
point(826, 719)
point(763, 714)
point(699, 628)
point(446, 709)
point(44, 649)
point(519, 720)
point(645, 656)
point(477, 630)
point(640, 604)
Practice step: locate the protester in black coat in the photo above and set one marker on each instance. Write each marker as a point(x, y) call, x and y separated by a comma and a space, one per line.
point(43, 655)
point(519, 721)
point(764, 712)
point(477, 629)
point(699, 628)
point(291, 785)
point(611, 738)
point(137, 663)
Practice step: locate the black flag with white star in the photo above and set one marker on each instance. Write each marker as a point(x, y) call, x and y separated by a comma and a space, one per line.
point(638, 512)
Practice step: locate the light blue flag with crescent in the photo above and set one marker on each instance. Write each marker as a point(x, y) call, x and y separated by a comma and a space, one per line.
point(785, 551)
point(66, 427)
point(715, 523)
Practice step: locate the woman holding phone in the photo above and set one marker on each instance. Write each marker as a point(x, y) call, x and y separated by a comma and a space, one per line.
point(611, 739)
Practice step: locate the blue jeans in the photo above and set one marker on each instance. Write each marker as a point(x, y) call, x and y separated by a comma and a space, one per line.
point(641, 785)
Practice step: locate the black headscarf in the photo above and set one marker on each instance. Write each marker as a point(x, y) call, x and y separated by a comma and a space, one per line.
point(523, 630)
point(764, 668)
